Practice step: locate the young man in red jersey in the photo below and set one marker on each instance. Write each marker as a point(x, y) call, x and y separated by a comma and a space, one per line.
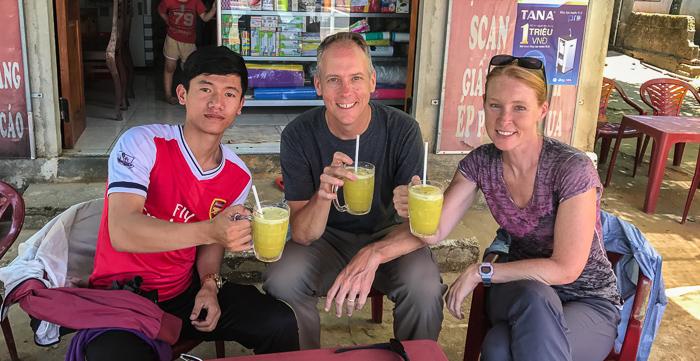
point(171, 206)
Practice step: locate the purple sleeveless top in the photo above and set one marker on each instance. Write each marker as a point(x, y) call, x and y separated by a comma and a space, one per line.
point(562, 172)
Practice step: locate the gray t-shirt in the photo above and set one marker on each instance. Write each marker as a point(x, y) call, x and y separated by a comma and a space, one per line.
point(562, 173)
point(392, 142)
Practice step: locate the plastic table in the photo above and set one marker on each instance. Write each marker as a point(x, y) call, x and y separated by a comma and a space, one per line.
point(418, 350)
point(666, 132)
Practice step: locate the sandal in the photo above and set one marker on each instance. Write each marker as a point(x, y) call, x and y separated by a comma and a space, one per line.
point(280, 183)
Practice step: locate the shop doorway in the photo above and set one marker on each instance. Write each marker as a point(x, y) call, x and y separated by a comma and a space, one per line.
point(72, 93)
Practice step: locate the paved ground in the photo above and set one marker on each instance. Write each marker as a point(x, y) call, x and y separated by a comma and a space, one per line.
point(679, 244)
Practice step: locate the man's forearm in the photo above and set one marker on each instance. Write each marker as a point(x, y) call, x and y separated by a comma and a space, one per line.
point(309, 222)
point(129, 232)
point(396, 244)
point(209, 259)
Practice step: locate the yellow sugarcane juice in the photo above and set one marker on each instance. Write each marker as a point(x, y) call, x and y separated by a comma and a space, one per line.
point(358, 194)
point(425, 208)
point(270, 231)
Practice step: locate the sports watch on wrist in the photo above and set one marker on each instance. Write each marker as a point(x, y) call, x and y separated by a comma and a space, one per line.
point(215, 277)
point(486, 271)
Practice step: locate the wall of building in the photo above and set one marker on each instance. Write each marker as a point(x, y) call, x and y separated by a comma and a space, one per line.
point(429, 68)
point(595, 49)
point(43, 72)
point(658, 7)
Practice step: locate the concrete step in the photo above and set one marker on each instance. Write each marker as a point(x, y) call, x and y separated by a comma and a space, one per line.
point(20, 173)
point(44, 201)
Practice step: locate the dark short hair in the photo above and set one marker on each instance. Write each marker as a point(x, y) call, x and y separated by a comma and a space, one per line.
point(215, 60)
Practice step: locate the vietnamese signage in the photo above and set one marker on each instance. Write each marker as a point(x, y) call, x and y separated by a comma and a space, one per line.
point(476, 31)
point(552, 31)
point(16, 138)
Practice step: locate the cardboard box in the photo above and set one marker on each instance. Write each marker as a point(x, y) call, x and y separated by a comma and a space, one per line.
point(307, 5)
point(290, 35)
point(289, 52)
point(255, 41)
point(270, 21)
point(306, 46)
point(289, 44)
point(285, 27)
point(402, 6)
point(292, 19)
point(255, 4)
point(256, 21)
point(388, 6)
point(268, 5)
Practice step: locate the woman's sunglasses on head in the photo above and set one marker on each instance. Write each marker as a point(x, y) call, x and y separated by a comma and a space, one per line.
point(523, 62)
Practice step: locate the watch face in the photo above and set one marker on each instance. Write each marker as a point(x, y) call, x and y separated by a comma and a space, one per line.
point(485, 269)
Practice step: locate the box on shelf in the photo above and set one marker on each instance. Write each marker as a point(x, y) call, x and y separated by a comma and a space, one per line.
point(281, 5)
point(307, 5)
point(290, 44)
point(342, 5)
point(286, 27)
point(365, 6)
point(268, 5)
point(402, 6)
point(270, 21)
point(290, 35)
point(293, 5)
point(290, 52)
point(388, 6)
point(292, 19)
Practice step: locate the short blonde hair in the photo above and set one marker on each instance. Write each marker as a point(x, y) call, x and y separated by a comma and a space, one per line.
point(344, 38)
point(534, 79)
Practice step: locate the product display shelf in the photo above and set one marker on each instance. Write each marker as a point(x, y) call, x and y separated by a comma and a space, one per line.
point(333, 13)
point(310, 58)
point(336, 18)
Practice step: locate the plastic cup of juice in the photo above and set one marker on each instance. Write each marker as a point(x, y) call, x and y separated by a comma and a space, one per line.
point(358, 194)
point(270, 231)
point(425, 208)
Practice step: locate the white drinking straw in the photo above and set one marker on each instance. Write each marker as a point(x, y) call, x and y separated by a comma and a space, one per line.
point(425, 163)
point(257, 200)
point(357, 150)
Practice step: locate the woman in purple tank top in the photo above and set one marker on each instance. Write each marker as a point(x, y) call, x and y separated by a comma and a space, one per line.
point(556, 298)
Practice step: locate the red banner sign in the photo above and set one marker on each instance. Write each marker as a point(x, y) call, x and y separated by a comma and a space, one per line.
point(14, 119)
point(476, 31)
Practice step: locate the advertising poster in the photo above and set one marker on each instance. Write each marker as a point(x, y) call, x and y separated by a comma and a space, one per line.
point(559, 123)
point(552, 31)
point(476, 31)
point(15, 132)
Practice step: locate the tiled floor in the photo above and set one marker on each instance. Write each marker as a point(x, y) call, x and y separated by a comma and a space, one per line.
point(256, 130)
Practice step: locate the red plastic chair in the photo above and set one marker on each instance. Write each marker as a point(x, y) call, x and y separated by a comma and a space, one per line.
point(10, 197)
point(609, 131)
point(665, 97)
point(479, 323)
point(693, 187)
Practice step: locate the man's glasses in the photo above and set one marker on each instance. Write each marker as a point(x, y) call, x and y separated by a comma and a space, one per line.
point(523, 62)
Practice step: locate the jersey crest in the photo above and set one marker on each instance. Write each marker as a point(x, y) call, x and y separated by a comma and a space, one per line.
point(216, 206)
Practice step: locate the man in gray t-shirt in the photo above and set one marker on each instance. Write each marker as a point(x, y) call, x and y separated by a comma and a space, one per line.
point(341, 255)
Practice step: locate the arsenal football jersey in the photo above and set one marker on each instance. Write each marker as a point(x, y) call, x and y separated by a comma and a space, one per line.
point(154, 161)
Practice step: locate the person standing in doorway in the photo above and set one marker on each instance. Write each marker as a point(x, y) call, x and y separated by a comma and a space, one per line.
point(181, 18)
